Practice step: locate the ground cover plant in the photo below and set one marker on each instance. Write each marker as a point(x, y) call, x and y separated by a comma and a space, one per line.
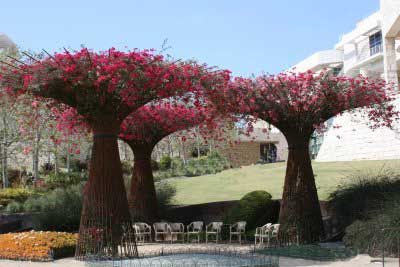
point(37, 246)
point(312, 252)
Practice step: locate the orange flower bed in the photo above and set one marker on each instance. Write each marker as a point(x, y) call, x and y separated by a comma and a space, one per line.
point(37, 246)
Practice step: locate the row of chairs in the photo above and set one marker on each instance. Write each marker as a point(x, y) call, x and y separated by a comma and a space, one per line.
point(268, 231)
point(164, 231)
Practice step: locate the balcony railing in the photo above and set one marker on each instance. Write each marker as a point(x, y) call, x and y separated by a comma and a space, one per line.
point(375, 49)
point(366, 52)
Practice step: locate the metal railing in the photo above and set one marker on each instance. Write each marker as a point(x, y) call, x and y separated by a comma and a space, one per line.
point(194, 257)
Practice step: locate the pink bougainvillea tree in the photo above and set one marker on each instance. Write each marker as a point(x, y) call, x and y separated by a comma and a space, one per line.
point(298, 104)
point(142, 130)
point(104, 88)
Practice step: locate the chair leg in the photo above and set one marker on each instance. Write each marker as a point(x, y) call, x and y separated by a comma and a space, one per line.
point(230, 238)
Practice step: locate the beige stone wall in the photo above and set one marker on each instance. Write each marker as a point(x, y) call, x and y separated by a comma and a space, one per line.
point(242, 154)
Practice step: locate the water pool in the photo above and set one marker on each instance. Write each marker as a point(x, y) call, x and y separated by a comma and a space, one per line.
point(193, 260)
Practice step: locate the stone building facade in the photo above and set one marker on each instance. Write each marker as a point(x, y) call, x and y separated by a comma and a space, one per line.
point(371, 49)
point(259, 147)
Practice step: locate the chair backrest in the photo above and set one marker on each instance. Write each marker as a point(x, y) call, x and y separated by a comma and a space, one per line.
point(241, 226)
point(136, 229)
point(177, 227)
point(197, 226)
point(142, 226)
point(267, 227)
point(275, 228)
point(160, 227)
point(216, 226)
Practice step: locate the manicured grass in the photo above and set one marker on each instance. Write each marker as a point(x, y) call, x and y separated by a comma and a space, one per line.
point(234, 183)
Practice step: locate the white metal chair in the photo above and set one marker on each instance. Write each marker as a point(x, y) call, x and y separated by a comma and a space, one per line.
point(194, 228)
point(176, 229)
point(273, 233)
point(160, 228)
point(214, 228)
point(142, 230)
point(238, 229)
point(261, 233)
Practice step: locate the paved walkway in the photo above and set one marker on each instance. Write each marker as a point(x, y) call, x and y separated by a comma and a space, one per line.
point(358, 261)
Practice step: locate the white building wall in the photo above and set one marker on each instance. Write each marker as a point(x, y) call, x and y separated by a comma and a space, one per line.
point(354, 140)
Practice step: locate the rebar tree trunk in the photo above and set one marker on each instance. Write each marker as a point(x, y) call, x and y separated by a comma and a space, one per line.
point(105, 230)
point(142, 196)
point(300, 212)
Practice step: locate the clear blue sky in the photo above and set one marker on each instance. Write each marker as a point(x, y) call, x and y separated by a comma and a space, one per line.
point(246, 36)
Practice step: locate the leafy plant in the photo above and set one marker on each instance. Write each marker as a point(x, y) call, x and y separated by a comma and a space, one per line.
point(213, 163)
point(57, 210)
point(368, 235)
point(126, 167)
point(37, 246)
point(165, 163)
point(165, 195)
point(64, 179)
point(363, 194)
point(9, 195)
point(256, 208)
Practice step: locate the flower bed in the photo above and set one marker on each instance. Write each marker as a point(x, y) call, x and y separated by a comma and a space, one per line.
point(37, 246)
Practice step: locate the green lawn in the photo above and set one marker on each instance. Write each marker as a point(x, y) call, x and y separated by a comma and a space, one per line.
point(234, 183)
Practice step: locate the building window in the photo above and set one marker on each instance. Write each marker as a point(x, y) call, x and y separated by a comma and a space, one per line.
point(336, 71)
point(268, 153)
point(375, 43)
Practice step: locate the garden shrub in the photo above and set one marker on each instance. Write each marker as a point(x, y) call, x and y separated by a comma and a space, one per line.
point(165, 163)
point(367, 236)
point(362, 194)
point(58, 210)
point(211, 164)
point(14, 176)
point(37, 246)
point(165, 194)
point(256, 208)
point(9, 195)
point(14, 207)
point(126, 167)
point(78, 166)
point(64, 179)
